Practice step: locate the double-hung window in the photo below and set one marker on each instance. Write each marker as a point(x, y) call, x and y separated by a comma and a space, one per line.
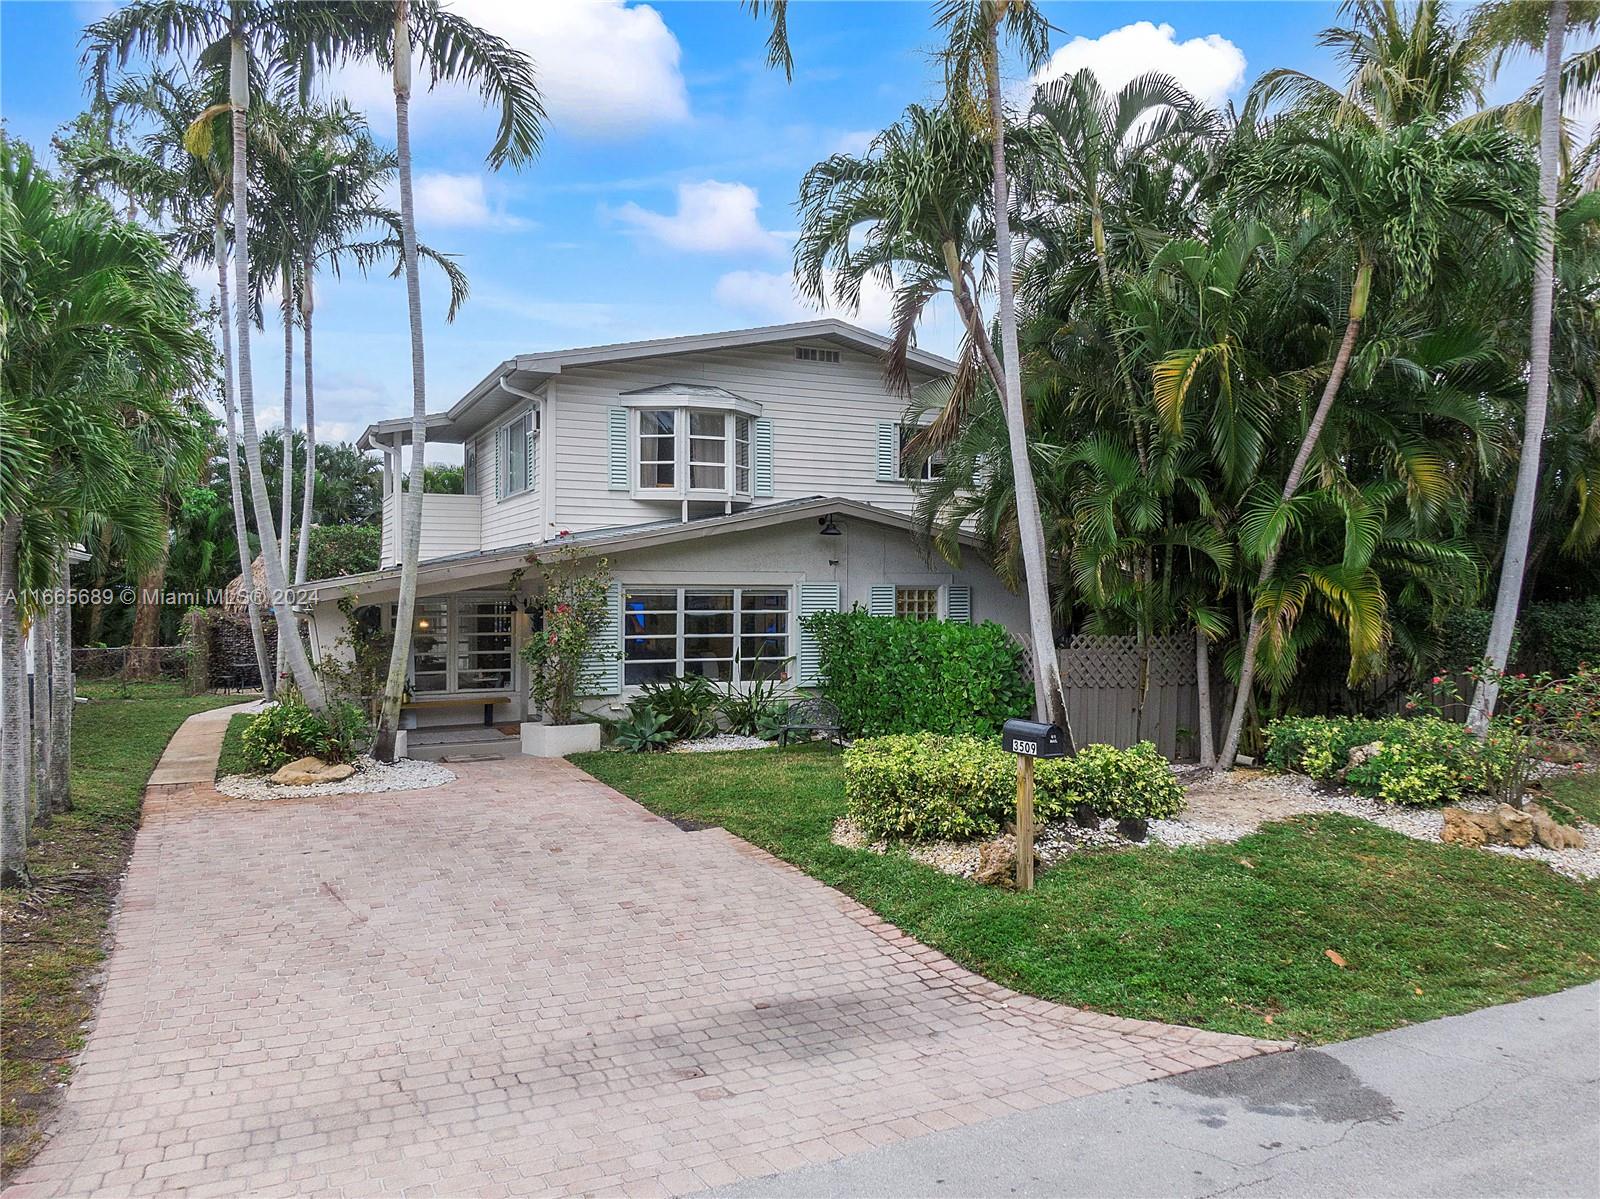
point(515, 452)
point(726, 634)
point(658, 448)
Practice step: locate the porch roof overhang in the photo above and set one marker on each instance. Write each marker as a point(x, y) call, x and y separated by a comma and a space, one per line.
point(482, 565)
point(397, 432)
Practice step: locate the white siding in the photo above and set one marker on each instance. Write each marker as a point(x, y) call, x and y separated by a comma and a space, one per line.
point(824, 426)
point(450, 525)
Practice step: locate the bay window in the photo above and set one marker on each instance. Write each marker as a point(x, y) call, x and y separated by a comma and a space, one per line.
point(692, 441)
point(725, 634)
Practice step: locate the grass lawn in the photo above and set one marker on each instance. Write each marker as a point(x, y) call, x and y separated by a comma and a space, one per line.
point(1574, 798)
point(1226, 937)
point(232, 760)
point(55, 935)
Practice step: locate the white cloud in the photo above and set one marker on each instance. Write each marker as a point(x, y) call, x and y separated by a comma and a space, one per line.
point(856, 142)
point(712, 218)
point(771, 297)
point(1211, 68)
point(604, 69)
point(453, 201)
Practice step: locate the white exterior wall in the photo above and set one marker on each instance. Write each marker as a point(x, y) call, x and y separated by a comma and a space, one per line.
point(451, 524)
point(866, 554)
point(824, 428)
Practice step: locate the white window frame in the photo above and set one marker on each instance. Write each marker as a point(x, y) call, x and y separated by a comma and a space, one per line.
point(505, 432)
point(681, 631)
point(931, 469)
point(469, 467)
point(738, 481)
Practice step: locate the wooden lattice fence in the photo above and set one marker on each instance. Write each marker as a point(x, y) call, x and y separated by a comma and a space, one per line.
point(1102, 676)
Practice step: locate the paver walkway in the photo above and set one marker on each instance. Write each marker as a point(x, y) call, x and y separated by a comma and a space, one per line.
point(524, 983)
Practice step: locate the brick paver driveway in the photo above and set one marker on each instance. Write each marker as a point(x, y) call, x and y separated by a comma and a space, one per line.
point(526, 984)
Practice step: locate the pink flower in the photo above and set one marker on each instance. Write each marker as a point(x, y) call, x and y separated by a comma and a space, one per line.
point(1437, 679)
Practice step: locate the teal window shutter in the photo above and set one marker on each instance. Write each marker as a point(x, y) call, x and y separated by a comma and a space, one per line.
point(880, 600)
point(887, 432)
point(530, 448)
point(814, 598)
point(958, 603)
point(617, 436)
point(763, 457)
point(602, 667)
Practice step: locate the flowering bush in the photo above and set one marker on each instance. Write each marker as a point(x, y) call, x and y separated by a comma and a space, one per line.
point(573, 610)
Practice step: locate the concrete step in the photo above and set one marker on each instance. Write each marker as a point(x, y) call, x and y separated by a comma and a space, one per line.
point(482, 749)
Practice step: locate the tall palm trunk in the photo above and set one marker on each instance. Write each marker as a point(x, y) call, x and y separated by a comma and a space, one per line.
point(411, 532)
point(286, 479)
point(1513, 567)
point(241, 532)
point(1049, 697)
point(13, 717)
point(294, 648)
point(1341, 363)
point(61, 692)
point(141, 661)
point(39, 748)
point(302, 558)
point(1202, 684)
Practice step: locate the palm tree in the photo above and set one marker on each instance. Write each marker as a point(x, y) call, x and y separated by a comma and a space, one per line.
point(178, 169)
point(1395, 199)
point(1530, 24)
point(102, 360)
point(279, 30)
point(972, 77)
point(452, 48)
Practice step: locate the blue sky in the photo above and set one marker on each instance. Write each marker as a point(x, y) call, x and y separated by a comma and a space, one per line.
point(664, 197)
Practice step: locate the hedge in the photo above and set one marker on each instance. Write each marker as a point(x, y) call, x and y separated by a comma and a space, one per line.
point(891, 675)
point(931, 787)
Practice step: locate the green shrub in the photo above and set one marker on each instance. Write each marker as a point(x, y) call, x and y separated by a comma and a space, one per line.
point(1420, 761)
point(1559, 638)
point(931, 787)
point(643, 731)
point(289, 729)
point(1123, 784)
point(889, 675)
point(928, 787)
point(687, 705)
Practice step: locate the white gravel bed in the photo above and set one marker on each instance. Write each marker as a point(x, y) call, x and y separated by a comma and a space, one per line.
point(408, 774)
point(1192, 832)
point(719, 743)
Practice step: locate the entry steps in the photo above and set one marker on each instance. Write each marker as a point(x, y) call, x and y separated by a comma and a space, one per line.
point(467, 743)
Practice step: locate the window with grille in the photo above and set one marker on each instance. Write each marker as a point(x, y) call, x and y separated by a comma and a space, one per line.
point(725, 634)
point(460, 643)
point(917, 603)
point(658, 448)
point(710, 449)
point(430, 646)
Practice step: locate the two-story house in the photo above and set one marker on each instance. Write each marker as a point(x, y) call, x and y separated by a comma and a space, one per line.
point(734, 482)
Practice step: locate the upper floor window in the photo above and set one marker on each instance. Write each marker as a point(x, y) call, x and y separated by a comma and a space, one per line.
point(515, 448)
point(693, 452)
point(930, 468)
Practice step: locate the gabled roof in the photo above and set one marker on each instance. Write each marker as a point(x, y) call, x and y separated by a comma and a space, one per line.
point(619, 538)
point(531, 370)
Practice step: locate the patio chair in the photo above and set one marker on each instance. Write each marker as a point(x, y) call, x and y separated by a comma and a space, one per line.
point(809, 716)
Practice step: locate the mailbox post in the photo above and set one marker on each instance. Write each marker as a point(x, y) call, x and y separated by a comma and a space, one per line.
point(1029, 739)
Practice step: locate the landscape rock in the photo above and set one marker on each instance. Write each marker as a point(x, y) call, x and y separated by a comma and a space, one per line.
point(997, 865)
point(1359, 755)
point(1503, 826)
point(300, 773)
point(1552, 834)
point(334, 774)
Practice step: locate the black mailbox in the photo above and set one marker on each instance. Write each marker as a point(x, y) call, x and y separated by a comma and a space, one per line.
point(1033, 739)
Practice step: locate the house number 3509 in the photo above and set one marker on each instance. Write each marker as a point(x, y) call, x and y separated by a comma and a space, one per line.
point(1030, 748)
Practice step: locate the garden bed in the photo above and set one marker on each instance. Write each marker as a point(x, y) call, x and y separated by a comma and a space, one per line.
point(1228, 936)
point(237, 780)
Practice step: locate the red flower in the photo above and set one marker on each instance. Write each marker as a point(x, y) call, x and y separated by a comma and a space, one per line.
point(1437, 679)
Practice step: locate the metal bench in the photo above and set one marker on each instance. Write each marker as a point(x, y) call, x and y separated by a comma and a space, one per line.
point(816, 715)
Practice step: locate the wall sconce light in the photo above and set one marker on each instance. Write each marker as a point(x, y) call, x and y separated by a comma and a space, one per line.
point(829, 529)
